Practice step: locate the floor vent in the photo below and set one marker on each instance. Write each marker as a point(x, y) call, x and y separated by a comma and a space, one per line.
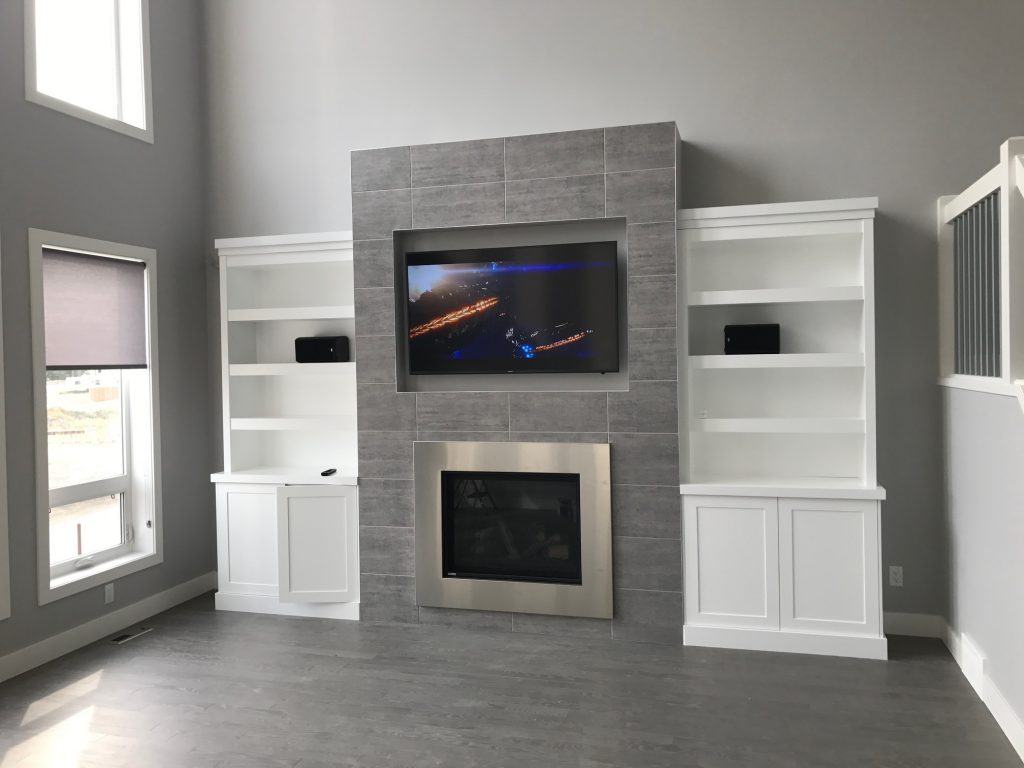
point(130, 635)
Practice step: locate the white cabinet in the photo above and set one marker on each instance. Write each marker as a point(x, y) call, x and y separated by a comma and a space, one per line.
point(783, 574)
point(732, 561)
point(287, 536)
point(317, 544)
point(828, 566)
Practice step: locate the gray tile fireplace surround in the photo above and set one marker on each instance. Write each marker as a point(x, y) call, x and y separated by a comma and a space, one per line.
point(628, 171)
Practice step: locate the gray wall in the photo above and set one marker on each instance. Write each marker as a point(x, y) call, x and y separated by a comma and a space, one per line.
point(782, 100)
point(67, 175)
point(985, 505)
point(626, 172)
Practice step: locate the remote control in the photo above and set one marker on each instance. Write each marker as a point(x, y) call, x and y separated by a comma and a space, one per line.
point(328, 472)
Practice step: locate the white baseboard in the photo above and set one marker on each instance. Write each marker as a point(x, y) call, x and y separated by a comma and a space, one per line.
point(915, 625)
point(818, 644)
point(51, 648)
point(973, 663)
point(226, 601)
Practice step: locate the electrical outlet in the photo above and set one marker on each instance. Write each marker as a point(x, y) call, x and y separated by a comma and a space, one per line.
point(895, 575)
point(108, 594)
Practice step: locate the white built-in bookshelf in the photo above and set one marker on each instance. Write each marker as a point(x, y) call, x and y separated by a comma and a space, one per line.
point(285, 422)
point(805, 417)
point(781, 507)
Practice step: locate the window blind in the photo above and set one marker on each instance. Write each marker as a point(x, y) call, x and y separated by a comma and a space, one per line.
point(94, 311)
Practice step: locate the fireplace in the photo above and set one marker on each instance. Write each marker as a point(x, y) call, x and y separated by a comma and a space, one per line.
point(511, 526)
point(522, 527)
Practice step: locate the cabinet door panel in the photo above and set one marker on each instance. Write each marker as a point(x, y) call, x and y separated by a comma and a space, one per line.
point(318, 550)
point(732, 571)
point(828, 554)
point(247, 539)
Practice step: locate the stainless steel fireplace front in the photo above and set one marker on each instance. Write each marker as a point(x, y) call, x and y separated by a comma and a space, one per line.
point(522, 527)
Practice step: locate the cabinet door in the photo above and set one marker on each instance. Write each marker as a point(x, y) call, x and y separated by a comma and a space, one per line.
point(829, 562)
point(731, 561)
point(318, 544)
point(247, 539)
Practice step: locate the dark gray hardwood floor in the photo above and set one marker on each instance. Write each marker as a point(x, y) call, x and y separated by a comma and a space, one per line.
point(209, 689)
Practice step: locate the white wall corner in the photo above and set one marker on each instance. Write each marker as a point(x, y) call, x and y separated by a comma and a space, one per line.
point(974, 664)
point(51, 648)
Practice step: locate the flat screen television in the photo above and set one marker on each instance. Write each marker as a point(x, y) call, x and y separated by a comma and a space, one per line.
point(527, 309)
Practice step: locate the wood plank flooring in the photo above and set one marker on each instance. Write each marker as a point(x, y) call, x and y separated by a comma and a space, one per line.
point(225, 690)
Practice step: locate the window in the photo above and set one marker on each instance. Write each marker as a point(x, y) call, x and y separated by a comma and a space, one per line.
point(90, 59)
point(93, 325)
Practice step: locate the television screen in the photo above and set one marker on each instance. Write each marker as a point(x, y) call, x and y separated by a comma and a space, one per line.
point(529, 309)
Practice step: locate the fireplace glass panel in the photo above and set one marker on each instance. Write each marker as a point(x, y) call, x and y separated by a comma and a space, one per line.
point(511, 526)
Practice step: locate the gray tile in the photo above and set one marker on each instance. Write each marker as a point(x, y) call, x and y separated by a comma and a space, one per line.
point(563, 626)
point(381, 408)
point(648, 406)
point(644, 459)
point(569, 153)
point(462, 411)
point(651, 302)
point(643, 616)
point(386, 502)
point(652, 249)
point(374, 169)
point(466, 619)
point(642, 196)
point(653, 511)
point(559, 437)
point(647, 564)
point(375, 312)
point(569, 197)
point(458, 206)
point(386, 455)
point(387, 550)
point(559, 411)
point(387, 599)
point(458, 162)
point(636, 147)
point(375, 215)
point(449, 436)
point(374, 263)
point(375, 359)
point(652, 354)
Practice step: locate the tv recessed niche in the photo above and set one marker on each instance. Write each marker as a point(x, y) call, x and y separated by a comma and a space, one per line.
point(519, 309)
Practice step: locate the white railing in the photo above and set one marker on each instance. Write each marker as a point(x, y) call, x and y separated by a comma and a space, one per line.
point(981, 280)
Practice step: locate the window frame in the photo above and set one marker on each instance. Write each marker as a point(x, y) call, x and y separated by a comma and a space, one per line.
point(5, 565)
point(142, 443)
point(34, 95)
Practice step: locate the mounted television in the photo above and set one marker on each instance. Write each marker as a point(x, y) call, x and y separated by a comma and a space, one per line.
point(526, 309)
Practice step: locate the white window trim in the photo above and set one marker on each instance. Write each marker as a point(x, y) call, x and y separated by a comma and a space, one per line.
point(32, 92)
point(5, 565)
point(1008, 178)
point(148, 545)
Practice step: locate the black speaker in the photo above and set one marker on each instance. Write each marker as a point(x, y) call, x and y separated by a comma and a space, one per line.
point(756, 339)
point(321, 349)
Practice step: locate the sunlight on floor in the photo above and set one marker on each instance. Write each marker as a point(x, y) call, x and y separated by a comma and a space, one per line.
point(65, 695)
point(59, 746)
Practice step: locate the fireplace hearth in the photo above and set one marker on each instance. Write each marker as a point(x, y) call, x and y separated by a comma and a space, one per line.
point(522, 527)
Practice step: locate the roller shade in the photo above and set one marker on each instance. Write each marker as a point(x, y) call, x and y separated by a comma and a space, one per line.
point(95, 311)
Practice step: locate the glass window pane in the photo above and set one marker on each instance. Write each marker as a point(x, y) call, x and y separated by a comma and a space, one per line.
point(85, 528)
point(133, 81)
point(76, 59)
point(84, 426)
